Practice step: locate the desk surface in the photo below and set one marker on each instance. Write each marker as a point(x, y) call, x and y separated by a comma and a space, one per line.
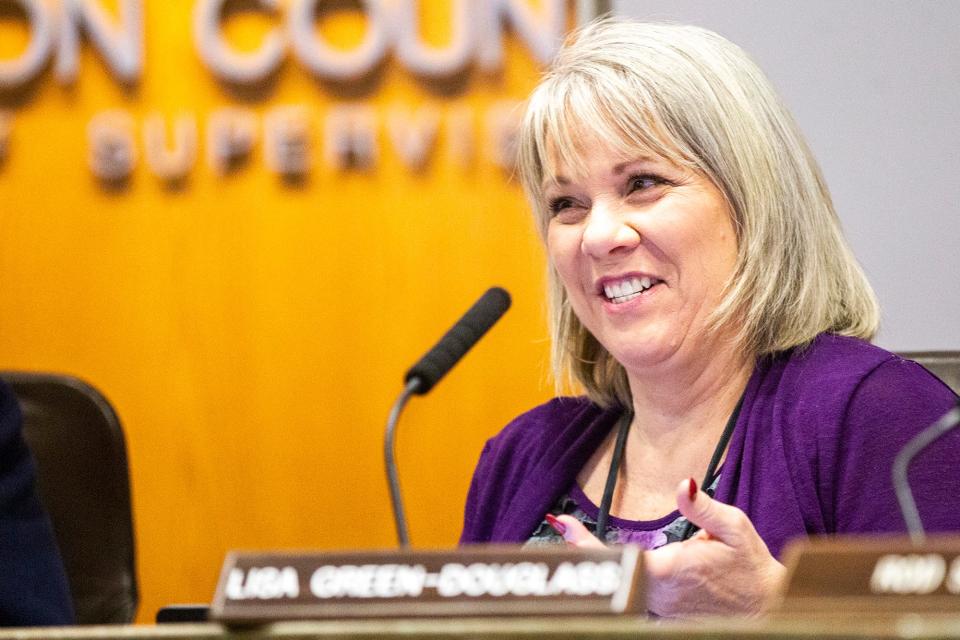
point(834, 626)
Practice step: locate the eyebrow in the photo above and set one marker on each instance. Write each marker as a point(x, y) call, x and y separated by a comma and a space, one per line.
point(618, 169)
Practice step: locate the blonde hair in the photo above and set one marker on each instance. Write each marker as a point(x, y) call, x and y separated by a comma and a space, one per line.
point(690, 96)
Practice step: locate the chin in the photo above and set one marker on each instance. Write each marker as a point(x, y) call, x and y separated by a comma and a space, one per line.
point(637, 357)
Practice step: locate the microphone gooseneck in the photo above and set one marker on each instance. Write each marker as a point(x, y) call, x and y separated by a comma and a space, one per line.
point(919, 442)
point(393, 480)
point(422, 377)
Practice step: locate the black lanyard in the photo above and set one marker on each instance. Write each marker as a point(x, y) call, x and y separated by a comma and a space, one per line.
point(689, 529)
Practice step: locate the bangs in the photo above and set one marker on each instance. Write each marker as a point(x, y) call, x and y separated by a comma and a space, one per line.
point(572, 116)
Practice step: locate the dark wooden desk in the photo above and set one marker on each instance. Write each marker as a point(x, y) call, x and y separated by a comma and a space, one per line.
point(833, 626)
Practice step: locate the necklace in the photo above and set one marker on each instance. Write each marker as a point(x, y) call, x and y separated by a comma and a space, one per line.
point(618, 449)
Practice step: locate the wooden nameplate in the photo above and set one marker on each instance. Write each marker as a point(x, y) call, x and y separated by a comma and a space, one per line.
point(873, 574)
point(259, 587)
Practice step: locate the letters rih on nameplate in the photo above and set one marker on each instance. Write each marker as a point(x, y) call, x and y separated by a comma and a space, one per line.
point(478, 581)
point(888, 574)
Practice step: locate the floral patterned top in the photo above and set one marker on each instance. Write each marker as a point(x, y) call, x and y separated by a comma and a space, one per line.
point(648, 534)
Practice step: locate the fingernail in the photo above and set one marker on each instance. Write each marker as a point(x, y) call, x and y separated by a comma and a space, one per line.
point(558, 526)
point(693, 489)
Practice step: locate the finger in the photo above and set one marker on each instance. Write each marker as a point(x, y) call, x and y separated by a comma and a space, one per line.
point(719, 521)
point(661, 564)
point(574, 532)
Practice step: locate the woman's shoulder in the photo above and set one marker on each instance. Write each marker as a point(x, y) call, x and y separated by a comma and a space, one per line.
point(522, 468)
point(827, 420)
point(839, 366)
point(838, 388)
point(852, 407)
point(550, 419)
point(547, 430)
point(843, 354)
point(837, 381)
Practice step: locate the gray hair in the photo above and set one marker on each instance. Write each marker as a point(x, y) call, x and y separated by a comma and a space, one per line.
point(690, 96)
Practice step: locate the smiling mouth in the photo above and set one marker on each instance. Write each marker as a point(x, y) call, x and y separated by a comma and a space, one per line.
point(621, 291)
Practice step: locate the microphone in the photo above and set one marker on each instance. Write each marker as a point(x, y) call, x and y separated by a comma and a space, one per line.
point(428, 371)
point(458, 340)
point(919, 442)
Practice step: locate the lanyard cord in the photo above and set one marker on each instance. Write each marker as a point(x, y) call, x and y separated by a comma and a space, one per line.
point(689, 529)
point(711, 475)
point(618, 448)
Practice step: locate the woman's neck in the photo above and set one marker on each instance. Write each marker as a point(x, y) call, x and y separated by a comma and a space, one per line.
point(681, 404)
point(679, 415)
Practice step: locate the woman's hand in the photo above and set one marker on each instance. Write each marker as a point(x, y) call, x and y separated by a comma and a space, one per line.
point(724, 569)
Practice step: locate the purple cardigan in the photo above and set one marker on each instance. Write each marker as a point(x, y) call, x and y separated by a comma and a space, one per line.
point(811, 452)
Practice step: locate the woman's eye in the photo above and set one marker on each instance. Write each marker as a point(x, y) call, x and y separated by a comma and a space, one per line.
point(557, 205)
point(640, 183)
point(565, 210)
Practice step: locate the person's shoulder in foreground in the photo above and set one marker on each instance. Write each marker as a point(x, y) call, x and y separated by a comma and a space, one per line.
point(33, 586)
point(838, 411)
point(522, 467)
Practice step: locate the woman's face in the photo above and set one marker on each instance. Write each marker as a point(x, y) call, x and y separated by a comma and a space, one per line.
point(643, 249)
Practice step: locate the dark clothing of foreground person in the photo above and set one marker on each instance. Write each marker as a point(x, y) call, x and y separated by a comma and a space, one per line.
point(33, 585)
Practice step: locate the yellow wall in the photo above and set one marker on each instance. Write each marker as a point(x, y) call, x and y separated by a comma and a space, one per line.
point(252, 334)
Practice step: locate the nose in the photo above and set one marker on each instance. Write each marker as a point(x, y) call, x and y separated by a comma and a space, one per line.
point(607, 231)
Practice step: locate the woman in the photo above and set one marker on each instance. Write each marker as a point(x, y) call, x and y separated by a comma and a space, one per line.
point(703, 296)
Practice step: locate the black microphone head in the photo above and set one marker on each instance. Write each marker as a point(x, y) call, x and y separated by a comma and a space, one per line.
point(464, 334)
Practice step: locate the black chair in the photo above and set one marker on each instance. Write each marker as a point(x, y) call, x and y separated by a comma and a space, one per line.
point(943, 364)
point(76, 439)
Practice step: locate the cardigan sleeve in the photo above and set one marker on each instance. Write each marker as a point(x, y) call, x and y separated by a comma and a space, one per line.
point(476, 521)
point(893, 403)
point(508, 471)
point(33, 586)
point(502, 471)
point(525, 467)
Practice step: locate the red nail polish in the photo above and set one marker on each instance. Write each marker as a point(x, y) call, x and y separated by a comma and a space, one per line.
point(558, 526)
point(693, 489)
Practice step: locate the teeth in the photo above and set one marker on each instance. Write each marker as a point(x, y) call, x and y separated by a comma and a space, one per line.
point(625, 290)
